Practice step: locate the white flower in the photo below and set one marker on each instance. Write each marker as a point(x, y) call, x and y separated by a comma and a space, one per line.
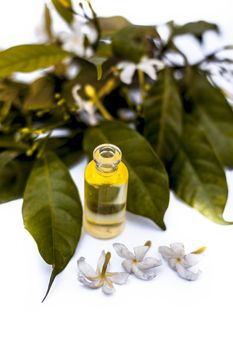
point(143, 268)
point(181, 262)
point(86, 107)
point(75, 42)
point(102, 277)
point(150, 66)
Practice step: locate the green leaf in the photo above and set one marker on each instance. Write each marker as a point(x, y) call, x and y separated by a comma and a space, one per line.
point(27, 58)
point(109, 25)
point(41, 94)
point(48, 23)
point(195, 28)
point(8, 92)
point(197, 176)
point(65, 9)
point(104, 49)
point(215, 116)
point(133, 42)
point(148, 193)
point(163, 116)
point(52, 212)
point(9, 142)
point(11, 94)
point(6, 157)
point(13, 176)
point(68, 149)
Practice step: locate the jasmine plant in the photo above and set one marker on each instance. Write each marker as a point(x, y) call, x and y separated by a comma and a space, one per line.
point(126, 84)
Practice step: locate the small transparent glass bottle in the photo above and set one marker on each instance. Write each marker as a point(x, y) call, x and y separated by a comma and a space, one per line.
point(106, 182)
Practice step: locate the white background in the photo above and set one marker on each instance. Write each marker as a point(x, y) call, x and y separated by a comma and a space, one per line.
point(166, 313)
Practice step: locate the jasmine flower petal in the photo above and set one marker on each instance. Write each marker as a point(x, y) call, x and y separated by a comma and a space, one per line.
point(88, 283)
point(86, 269)
point(140, 252)
point(148, 69)
point(75, 41)
point(178, 249)
point(157, 63)
point(85, 107)
point(181, 262)
point(149, 263)
point(100, 262)
point(76, 96)
point(166, 252)
point(146, 65)
point(145, 275)
point(123, 251)
point(191, 260)
point(118, 277)
point(172, 263)
point(127, 264)
point(126, 75)
point(186, 274)
point(90, 33)
point(136, 263)
point(108, 287)
point(124, 64)
point(102, 277)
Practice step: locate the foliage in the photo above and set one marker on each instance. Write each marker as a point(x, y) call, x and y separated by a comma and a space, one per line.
point(178, 133)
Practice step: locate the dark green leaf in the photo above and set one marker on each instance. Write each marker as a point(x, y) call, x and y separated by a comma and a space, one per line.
point(8, 92)
point(68, 149)
point(27, 58)
point(52, 212)
point(41, 94)
point(9, 142)
point(7, 157)
point(148, 193)
point(195, 28)
point(215, 116)
point(104, 49)
point(197, 176)
point(109, 25)
point(13, 176)
point(65, 9)
point(133, 42)
point(163, 116)
point(11, 94)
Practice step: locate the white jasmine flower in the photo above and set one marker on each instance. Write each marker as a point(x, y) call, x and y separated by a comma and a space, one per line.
point(75, 42)
point(150, 66)
point(86, 107)
point(181, 262)
point(143, 268)
point(102, 277)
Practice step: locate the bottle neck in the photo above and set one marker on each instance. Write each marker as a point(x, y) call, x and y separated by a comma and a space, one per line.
point(107, 158)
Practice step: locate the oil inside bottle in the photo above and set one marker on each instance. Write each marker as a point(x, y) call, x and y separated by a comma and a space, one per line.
point(106, 181)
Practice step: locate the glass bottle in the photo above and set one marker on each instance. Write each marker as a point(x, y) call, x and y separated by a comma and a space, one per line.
point(106, 182)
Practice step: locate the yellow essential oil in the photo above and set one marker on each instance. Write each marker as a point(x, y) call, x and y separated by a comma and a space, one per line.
point(106, 182)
